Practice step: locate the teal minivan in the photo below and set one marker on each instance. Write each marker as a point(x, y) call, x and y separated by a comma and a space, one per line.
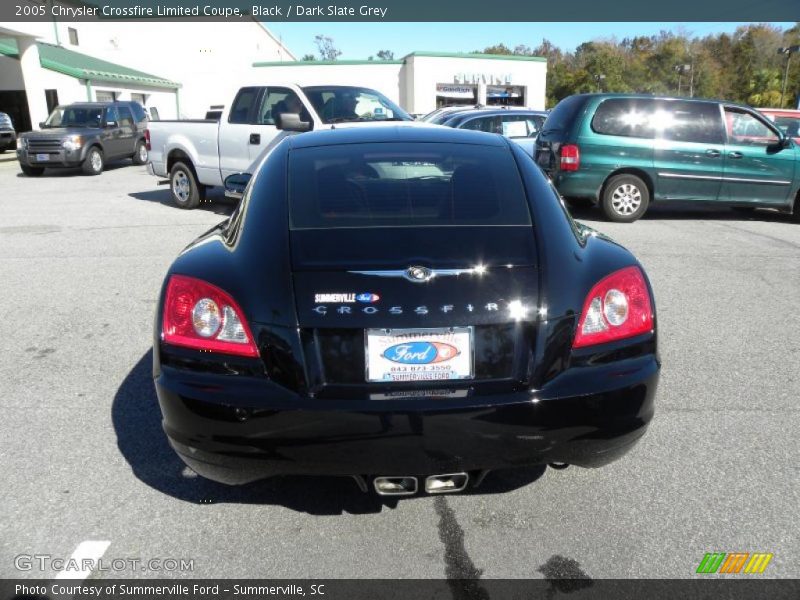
point(625, 151)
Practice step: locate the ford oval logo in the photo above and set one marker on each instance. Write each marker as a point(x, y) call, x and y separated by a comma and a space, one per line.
point(367, 298)
point(420, 353)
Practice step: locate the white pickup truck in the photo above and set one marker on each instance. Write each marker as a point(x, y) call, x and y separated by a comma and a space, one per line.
point(198, 154)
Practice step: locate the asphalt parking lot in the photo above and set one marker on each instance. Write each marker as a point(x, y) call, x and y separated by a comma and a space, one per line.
point(83, 456)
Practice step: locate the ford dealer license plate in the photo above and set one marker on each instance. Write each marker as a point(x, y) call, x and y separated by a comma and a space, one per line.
point(419, 354)
point(42, 157)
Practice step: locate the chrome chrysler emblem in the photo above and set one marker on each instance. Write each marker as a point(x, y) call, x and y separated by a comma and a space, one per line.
point(418, 274)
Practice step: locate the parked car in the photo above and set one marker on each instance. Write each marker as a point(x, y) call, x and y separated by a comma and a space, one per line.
point(195, 155)
point(8, 137)
point(438, 116)
point(787, 120)
point(85, 135)
point(520, 125)
point(380, 307)
point(625, 151)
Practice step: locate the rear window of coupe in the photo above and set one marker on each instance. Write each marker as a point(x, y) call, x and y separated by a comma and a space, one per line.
point(404, 185)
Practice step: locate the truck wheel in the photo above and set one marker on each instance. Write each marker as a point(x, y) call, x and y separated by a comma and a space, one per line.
point(625, 198)
point(93, 163)
point(140, 154)
point(32, 171)
point(183, 183)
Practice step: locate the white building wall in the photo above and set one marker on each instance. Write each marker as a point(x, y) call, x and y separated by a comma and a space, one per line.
point(427, 71)
point(209, 60)
point(69, 89)
point(413, 84)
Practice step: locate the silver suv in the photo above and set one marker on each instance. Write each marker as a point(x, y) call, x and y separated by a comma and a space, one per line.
point(8, 137)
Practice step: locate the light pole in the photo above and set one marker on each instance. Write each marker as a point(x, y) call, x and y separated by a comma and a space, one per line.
point(681, 69)
point(599, 79)
point(788, 51)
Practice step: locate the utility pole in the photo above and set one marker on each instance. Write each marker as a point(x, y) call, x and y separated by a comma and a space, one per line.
point(788, 51)
point(599, 78)
point(681, 69)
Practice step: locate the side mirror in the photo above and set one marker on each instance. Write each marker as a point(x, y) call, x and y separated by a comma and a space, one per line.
point(782, 144)
point(236, 184)
point(292, 122)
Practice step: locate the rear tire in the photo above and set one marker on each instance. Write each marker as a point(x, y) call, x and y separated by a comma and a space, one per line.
point(32, 171)
point(93, 163)
point(140, 154)
point(796, 209)
point(625, 198)
point(184, 186)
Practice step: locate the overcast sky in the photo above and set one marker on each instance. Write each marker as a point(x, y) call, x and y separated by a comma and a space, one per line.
point(360, 40)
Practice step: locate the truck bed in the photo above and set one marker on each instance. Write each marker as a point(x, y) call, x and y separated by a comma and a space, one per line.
point(196, 138)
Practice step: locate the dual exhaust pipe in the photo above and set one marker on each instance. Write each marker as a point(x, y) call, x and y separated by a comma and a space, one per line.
point(409, 485)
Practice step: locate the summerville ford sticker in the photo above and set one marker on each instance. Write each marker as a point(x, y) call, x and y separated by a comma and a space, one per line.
point(346, 298)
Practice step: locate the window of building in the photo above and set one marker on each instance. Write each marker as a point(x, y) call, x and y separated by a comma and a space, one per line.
point(104, 96)
point(73, 36)
point(51, 97)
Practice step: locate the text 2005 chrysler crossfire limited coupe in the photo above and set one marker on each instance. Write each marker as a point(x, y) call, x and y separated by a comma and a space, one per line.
point(410, 306)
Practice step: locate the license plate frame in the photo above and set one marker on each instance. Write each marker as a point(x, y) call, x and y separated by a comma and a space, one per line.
point(424, 361)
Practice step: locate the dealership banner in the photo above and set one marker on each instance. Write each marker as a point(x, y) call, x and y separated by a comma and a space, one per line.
point(403, 589)
point(402, 10)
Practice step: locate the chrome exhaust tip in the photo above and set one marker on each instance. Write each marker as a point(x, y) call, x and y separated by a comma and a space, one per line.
point(558, 466)
point(446, 484)
point(395, 486)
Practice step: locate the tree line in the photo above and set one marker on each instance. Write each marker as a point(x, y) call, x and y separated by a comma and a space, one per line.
point(744, 66)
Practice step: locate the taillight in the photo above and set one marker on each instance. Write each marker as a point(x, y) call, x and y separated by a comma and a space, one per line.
point(570, 157)
point(618, 307)
point(202, 316)
point(147, 139)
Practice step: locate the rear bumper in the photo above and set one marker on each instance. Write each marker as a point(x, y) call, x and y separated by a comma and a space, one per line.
point(411, 436)
point(579, 184)
point(156, 169)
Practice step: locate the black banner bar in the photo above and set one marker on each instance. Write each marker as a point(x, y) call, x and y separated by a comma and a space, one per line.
point(402, 10)
point(710, 587)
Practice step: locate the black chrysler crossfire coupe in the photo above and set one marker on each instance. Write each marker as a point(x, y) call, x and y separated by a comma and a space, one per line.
point(407, 305)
